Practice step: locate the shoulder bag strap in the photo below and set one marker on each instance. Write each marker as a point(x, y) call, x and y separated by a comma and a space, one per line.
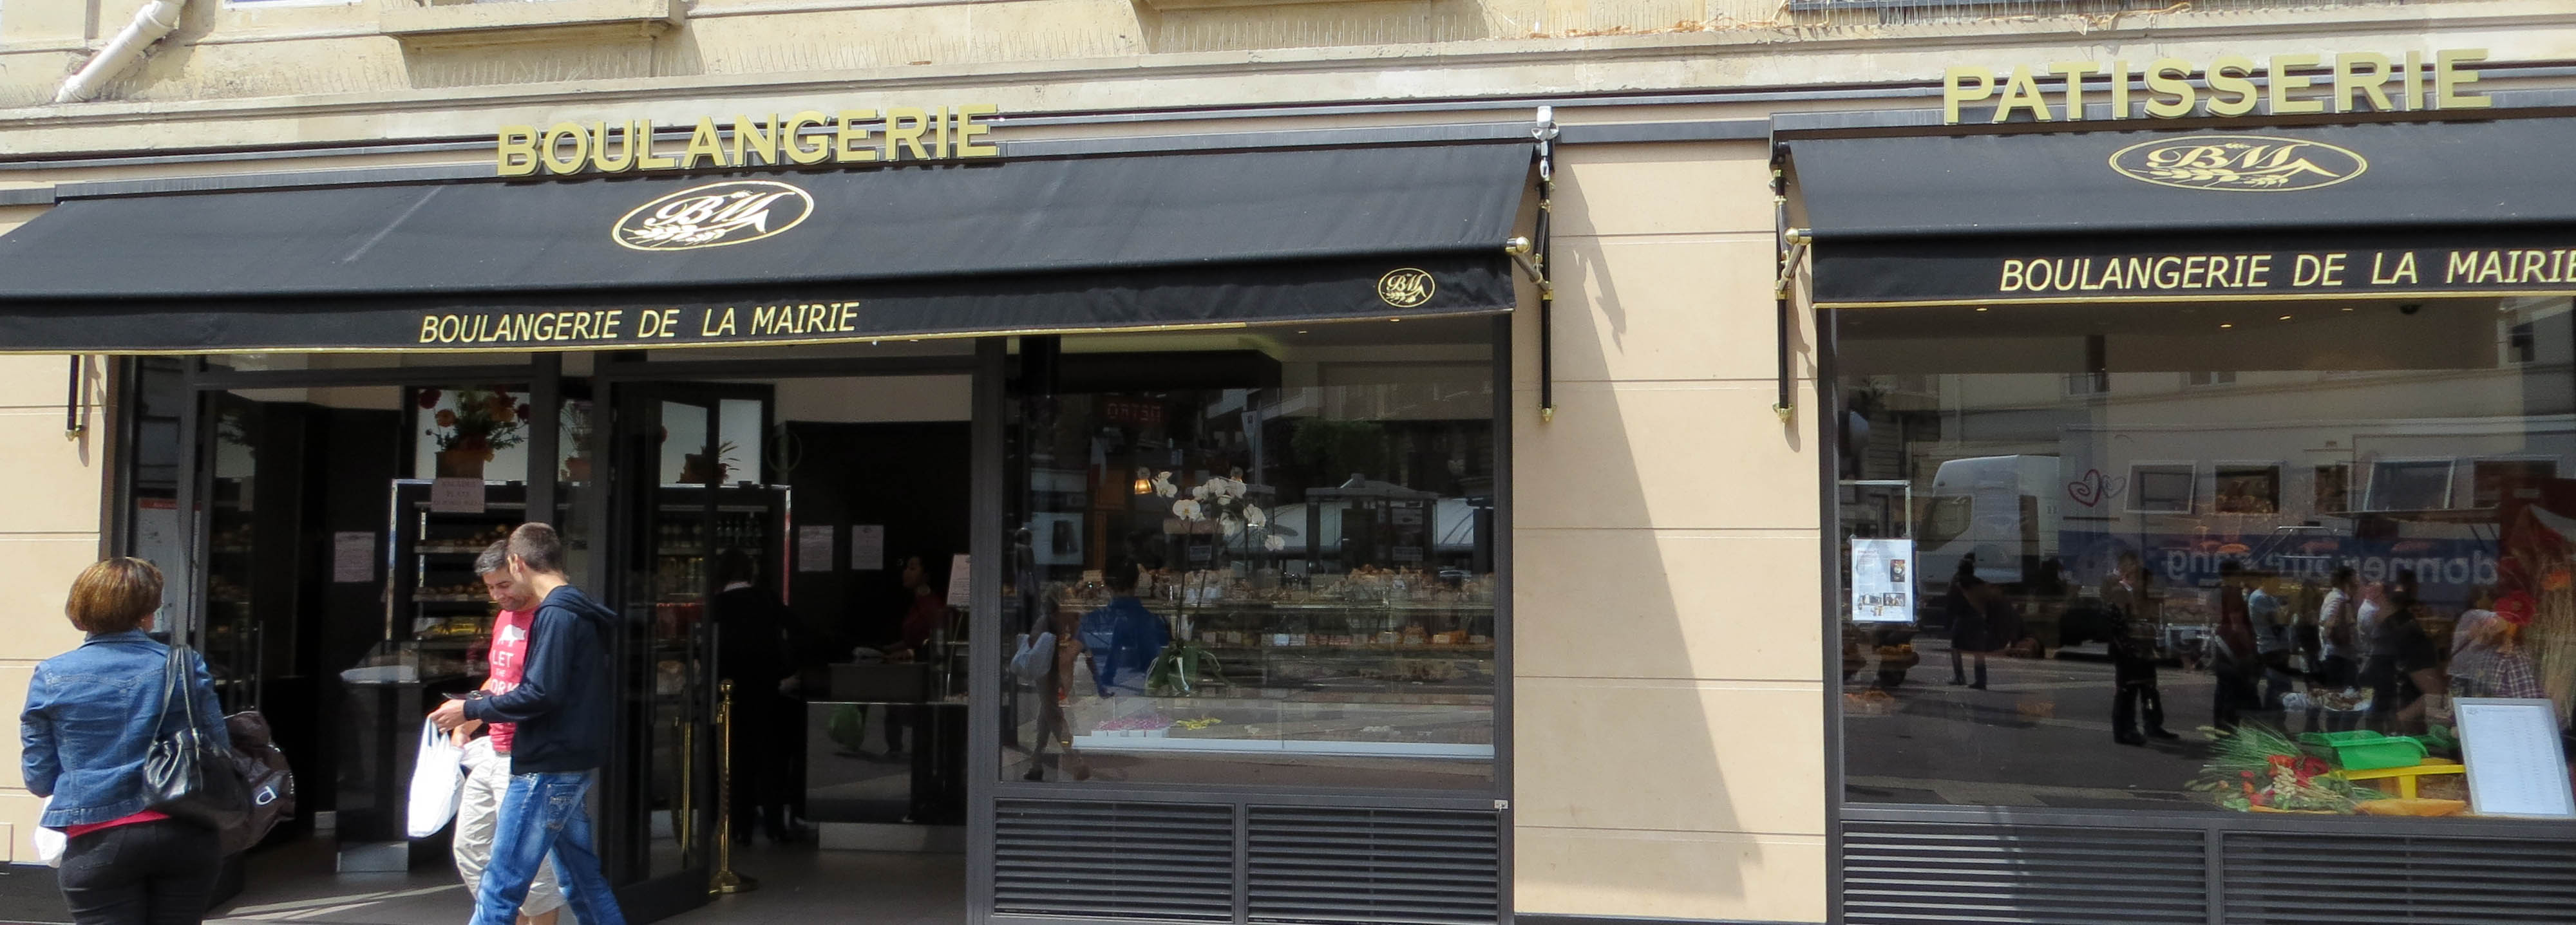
point(176, 683)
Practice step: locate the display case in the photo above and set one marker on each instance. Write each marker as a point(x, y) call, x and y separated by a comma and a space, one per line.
point(1375, 663)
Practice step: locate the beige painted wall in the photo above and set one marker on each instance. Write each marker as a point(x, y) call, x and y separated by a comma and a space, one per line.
point(49, 530)
point(1668, 696)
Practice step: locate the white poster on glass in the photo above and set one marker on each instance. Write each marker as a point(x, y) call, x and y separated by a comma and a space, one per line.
point(2516, 765)
point(1882, 581)
point(814, 547)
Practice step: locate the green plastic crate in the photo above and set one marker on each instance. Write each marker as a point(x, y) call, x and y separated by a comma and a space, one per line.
point(2364, 750)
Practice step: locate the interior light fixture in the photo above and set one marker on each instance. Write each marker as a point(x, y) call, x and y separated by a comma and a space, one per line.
point(2285, 317)
point(2226, 326)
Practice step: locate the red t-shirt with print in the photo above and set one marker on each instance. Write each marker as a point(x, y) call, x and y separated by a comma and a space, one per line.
point(509, 659)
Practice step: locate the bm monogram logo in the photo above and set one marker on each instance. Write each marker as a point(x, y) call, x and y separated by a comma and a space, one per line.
point(714, 215)
point(2238, 163)
point(1406, 288)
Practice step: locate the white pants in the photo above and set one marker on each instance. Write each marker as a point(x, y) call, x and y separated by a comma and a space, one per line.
point(478, 809)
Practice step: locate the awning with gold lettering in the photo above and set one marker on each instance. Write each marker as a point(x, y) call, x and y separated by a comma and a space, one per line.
point(1113, 242)
point(2280, 212)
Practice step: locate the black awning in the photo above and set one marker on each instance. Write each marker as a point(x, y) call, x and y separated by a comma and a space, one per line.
point(2320, 211)
point(1038, 245)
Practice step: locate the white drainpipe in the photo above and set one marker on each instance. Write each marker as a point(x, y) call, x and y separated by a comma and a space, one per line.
point(154, 20)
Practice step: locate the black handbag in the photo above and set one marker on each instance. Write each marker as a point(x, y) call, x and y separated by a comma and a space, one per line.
point(188, 775)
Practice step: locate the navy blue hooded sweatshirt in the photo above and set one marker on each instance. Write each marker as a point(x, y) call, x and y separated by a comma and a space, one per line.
point(563, 703)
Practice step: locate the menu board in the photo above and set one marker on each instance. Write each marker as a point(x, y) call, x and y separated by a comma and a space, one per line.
point(1882, 581)
point(2516, 767)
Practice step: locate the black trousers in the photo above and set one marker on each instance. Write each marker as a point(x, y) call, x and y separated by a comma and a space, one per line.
point(150, 873)
point(2137, 692)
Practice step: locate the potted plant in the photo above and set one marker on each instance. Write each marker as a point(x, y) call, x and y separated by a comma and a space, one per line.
point(718, 462)
point(480, 422)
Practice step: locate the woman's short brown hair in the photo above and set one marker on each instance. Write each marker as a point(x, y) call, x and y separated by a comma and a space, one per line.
point(114, 595)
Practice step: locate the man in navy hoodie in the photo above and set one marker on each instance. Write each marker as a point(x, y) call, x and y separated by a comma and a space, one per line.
point(565, 711)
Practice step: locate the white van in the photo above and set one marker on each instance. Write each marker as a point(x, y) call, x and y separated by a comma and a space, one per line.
point(2002, 509)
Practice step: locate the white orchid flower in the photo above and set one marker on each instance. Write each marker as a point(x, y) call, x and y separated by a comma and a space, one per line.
point(1203, 493)
point(1234, 488)
point(1188, 510)
point(1230, 525)
point(1163, 486)
point(1274, 542)
point(1252, 516)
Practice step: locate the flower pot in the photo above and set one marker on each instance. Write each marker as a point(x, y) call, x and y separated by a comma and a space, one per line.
point(695, 467)
point(462, 464)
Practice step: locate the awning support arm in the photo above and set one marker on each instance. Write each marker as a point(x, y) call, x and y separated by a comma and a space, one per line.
point(76, 402)
point(1532, 256)
point(1792, 247)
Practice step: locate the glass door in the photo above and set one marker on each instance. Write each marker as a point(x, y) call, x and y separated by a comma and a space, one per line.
point(685, 483)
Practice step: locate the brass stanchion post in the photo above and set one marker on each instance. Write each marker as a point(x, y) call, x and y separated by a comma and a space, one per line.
point(726, 881)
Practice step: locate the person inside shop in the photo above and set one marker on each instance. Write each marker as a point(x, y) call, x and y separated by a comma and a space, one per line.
point(925, 613)
point(2404, 665)
point(1971, 603)
point(2133, 655)
point(487, 757)
point(1122, 637)
point(754, 651)
point(2234, 657)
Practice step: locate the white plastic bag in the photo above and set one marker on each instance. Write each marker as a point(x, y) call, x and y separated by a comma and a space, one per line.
point(436, 780)
point(49, 842)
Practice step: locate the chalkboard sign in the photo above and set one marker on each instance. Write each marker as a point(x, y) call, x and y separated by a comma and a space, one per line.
point(2516, 765)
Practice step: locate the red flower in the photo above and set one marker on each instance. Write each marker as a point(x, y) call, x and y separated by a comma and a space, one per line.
point(523, 410)
point(428, 399)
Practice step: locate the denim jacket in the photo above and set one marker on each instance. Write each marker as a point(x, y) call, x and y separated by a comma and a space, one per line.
point(89, 722)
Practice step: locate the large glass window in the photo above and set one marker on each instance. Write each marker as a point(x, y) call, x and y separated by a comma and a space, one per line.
point(1261, 559)
point(2289, 557)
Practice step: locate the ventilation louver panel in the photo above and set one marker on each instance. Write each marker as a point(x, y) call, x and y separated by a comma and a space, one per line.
point(1904, 873)
point(2284, 879)
point(1353, 865)
point(1157, 861)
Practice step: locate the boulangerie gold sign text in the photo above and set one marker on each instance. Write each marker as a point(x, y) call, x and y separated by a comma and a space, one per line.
point(808, 138)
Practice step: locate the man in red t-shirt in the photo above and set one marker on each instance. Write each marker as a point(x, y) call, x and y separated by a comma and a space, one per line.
point(487, 759)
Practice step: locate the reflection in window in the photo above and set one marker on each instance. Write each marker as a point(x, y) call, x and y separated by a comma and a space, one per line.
point(2410, 484)
point(2390, 528)
point(2248, 490)
point(2161, 489)
point(1250, 582)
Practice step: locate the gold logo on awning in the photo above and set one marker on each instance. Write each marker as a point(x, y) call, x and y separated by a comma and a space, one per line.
point(1406, 288)
point(2238, 163)
point(714, 215)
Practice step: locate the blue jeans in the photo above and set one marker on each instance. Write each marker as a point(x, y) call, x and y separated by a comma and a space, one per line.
point(543, 813)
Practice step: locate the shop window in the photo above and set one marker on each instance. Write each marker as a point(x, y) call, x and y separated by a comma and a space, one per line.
point(2133, 647)
point(2162, 488)
point(2244, 489)
point(1271, 565)
point(2093, 383)
point(2493, 481)
point(2333, 489)
point(2209, 378)
point(2410, 484)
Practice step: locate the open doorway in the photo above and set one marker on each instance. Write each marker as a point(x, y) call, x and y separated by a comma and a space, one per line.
point(794, 535)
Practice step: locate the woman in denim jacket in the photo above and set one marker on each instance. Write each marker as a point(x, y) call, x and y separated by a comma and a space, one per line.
point(90, 718)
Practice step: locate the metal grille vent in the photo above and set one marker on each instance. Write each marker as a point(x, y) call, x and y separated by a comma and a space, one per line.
point(2282, 879)
point(1114, 860)
point(1371, 865)
point(1903, 873)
